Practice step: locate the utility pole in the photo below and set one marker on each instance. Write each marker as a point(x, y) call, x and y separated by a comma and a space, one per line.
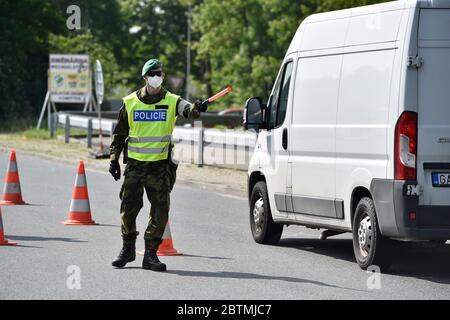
point(188, 54)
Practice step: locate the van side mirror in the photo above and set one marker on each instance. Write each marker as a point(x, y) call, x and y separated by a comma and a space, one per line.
point(254, 114)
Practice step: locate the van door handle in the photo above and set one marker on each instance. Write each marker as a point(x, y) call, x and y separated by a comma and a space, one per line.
point(285, 138)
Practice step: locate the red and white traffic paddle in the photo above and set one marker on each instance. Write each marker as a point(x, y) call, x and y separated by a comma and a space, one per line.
point(219, 95)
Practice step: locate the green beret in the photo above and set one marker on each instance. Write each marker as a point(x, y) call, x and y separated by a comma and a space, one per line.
point(151, 65)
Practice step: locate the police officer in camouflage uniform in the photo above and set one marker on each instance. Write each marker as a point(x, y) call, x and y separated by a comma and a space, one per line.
point(146, 121)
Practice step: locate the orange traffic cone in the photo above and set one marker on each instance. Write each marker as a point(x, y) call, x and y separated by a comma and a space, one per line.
point(80, 209)
point(3, 241)
point(12, 193)
point(166, 247)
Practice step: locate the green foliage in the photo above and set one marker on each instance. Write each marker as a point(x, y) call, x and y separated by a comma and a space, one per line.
point(329, 5)
point(24, 27)
point(235, 42)
point(245, 42)
point(40, 134)
point(30, 132)
point(17, 124)
point(233, 36)
point(159, 32)
point(101, 18)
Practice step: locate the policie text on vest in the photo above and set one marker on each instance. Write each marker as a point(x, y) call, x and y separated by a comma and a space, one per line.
point(149, 115)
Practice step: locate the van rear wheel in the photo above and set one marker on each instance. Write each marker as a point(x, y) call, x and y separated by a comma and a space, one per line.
point(264, 229)
point(369, 246)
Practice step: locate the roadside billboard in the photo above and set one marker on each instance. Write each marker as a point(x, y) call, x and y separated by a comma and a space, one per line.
point(69, 78)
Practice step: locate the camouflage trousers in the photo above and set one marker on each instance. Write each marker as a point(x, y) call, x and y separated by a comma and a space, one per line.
point(157, 179)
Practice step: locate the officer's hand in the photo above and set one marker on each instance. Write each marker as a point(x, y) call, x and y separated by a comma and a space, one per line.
point(200, 106)
point(114, 169)
point(193, 112)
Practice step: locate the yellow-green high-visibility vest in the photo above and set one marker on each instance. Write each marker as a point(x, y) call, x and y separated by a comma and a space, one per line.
point(151, 127)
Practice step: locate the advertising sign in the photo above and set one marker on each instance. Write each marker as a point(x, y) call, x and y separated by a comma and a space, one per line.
point(69, 78)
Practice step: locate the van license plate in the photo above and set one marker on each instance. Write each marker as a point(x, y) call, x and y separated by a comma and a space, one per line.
point(441, 179)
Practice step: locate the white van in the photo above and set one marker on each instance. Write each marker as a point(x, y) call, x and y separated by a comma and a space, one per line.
point(356, 134)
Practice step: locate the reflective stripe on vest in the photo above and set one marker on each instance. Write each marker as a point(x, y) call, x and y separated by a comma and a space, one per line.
point(151, 127)
point(148, 150)
point(150, 139)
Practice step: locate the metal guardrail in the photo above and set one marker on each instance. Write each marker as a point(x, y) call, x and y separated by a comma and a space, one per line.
point(87, 123)
point(80, 122)
point(196, 136)
point(209, 119)
point(225, 141)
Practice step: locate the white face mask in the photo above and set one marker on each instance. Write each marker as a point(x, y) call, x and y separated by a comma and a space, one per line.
point(155, 82)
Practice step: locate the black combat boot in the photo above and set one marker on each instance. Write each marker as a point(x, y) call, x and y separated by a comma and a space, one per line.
point(151, 261)
point(127, 254)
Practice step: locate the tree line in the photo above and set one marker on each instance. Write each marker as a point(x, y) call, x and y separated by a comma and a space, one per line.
point(233, 42)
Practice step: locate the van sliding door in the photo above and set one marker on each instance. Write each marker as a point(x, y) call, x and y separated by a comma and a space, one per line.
point(313, 131)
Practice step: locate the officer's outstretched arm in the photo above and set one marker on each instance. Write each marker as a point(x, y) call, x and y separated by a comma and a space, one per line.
point(189, 110)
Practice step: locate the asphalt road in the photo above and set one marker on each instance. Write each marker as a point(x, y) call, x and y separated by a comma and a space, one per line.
point(220, 261)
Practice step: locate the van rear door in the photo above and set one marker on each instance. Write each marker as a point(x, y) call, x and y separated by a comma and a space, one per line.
point(433, 158)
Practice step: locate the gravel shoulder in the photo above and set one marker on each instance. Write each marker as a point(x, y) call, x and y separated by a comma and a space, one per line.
point(222, 180)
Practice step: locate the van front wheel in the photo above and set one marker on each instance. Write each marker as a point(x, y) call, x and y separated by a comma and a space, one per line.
point(264, 229)
point(370, 247)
